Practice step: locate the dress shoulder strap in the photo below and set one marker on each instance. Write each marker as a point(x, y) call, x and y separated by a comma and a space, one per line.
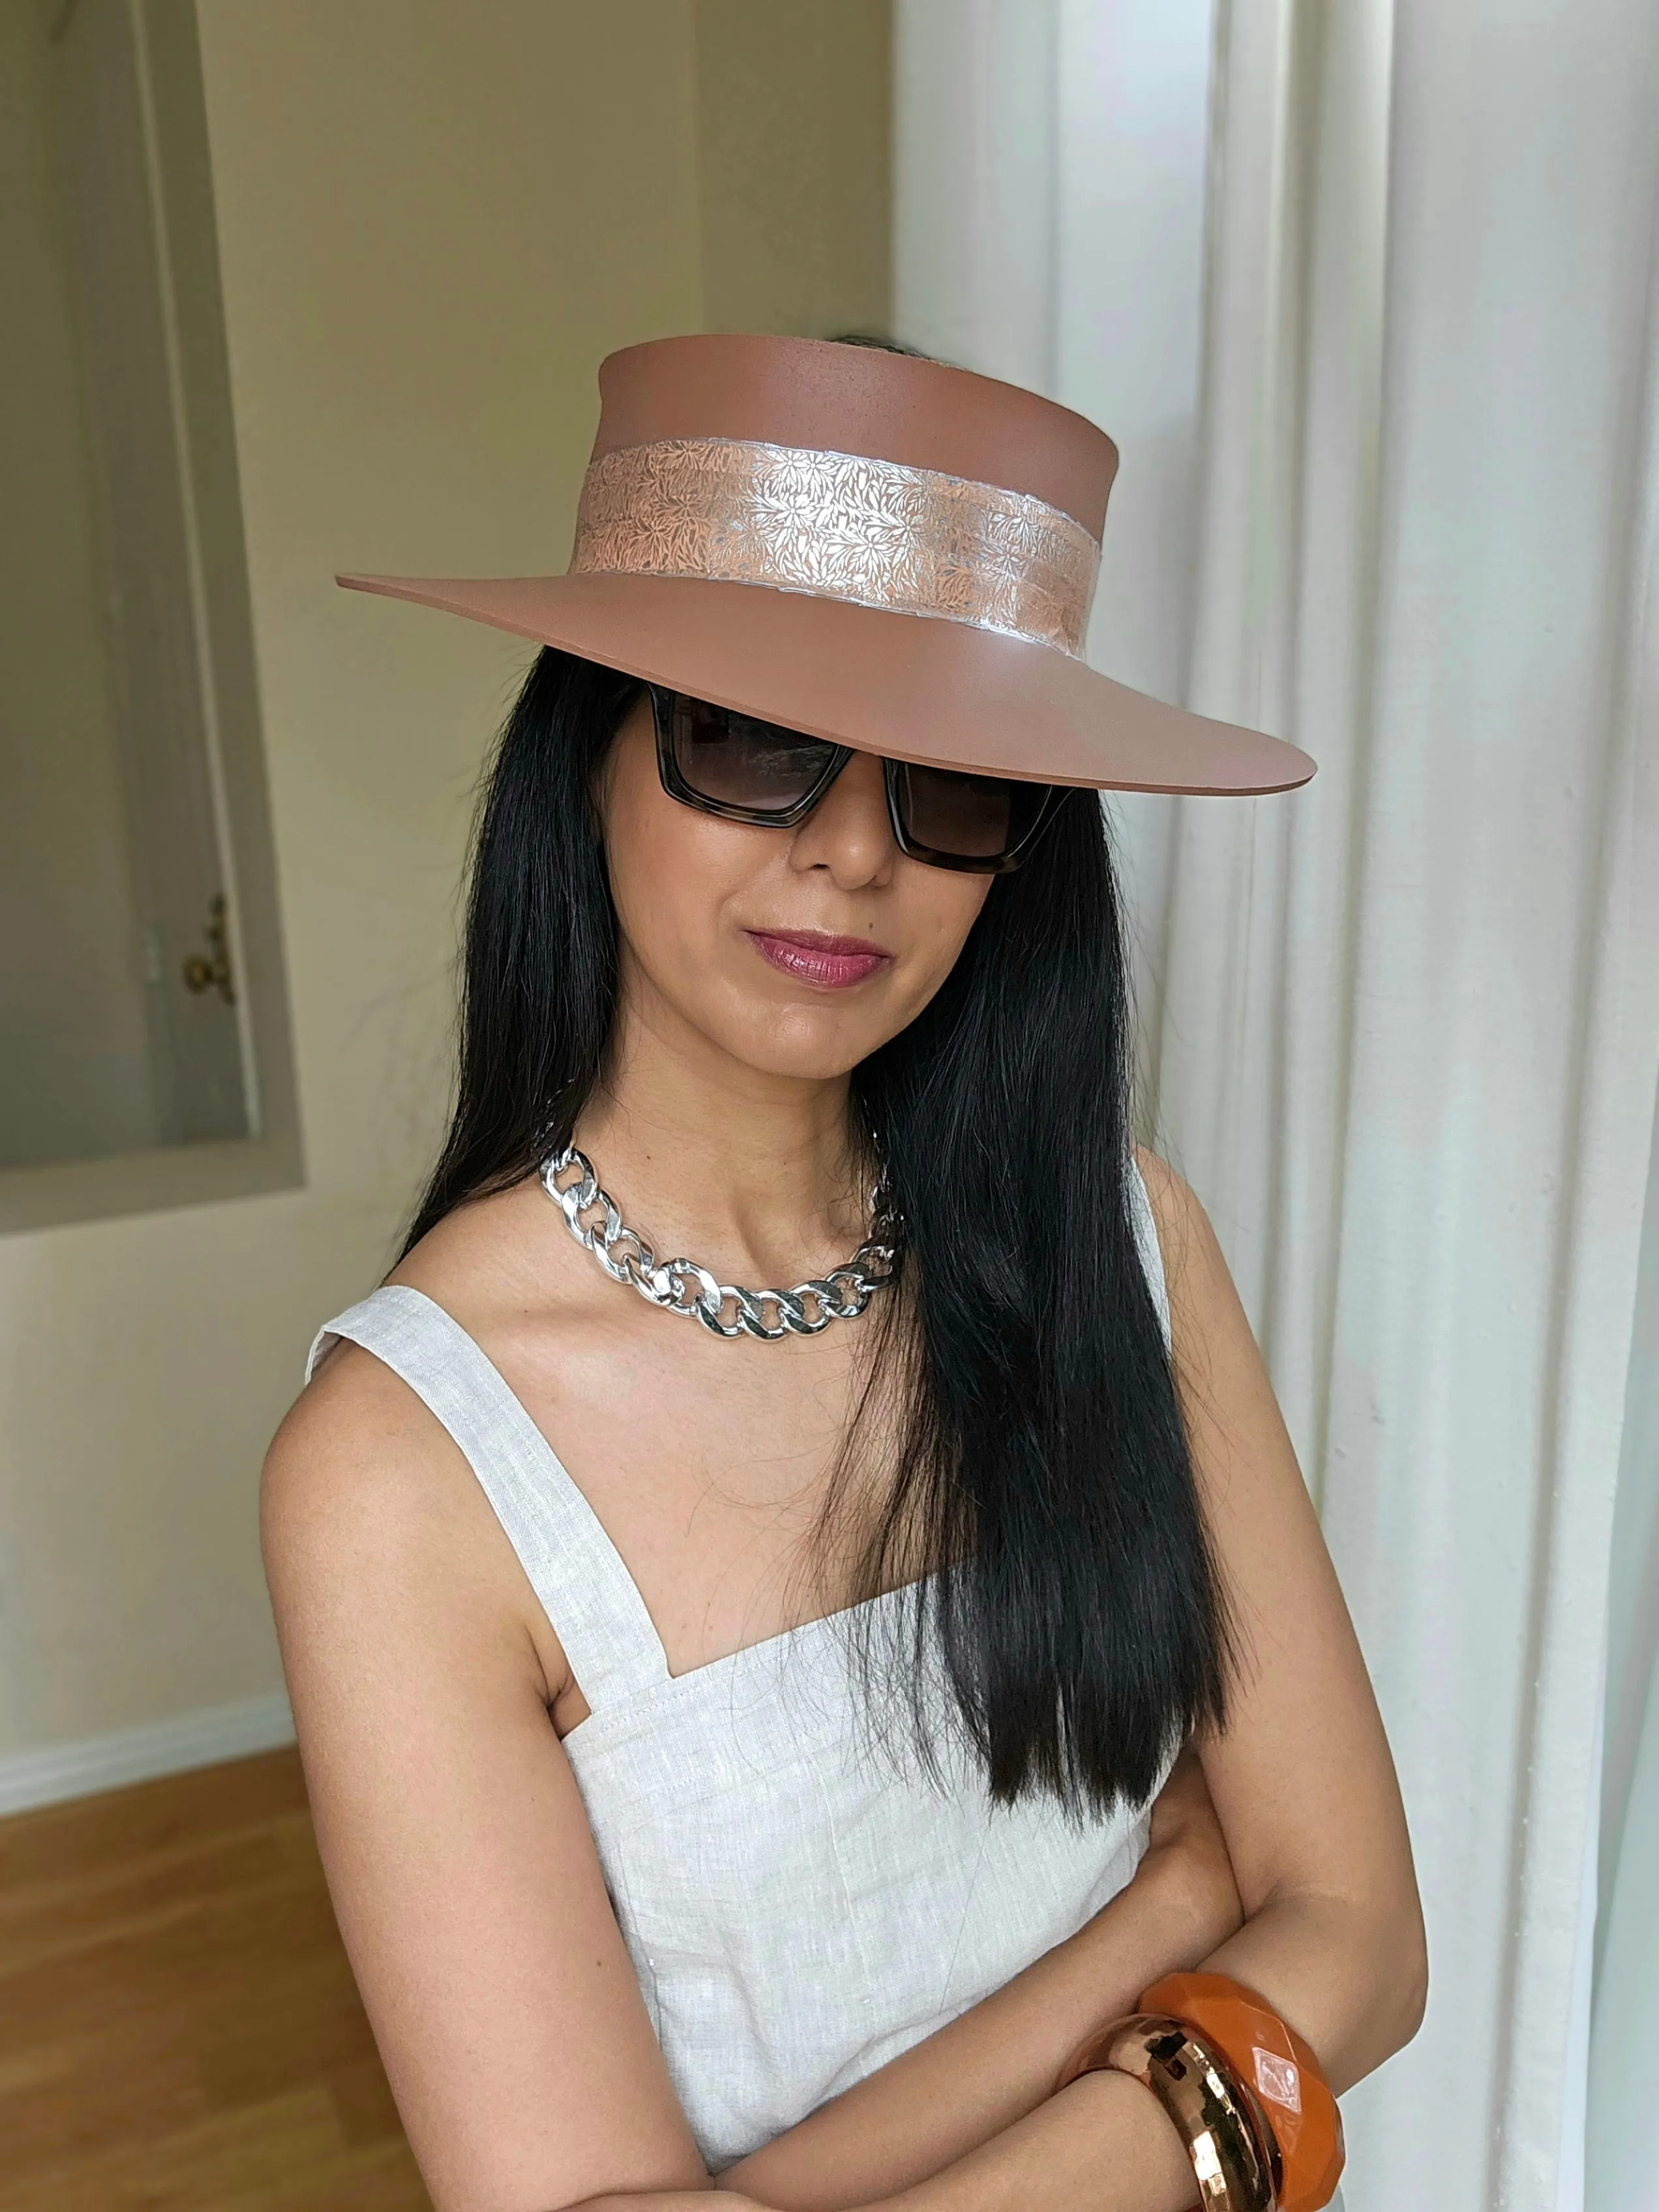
point(575, 1569)
point(1151, 1256)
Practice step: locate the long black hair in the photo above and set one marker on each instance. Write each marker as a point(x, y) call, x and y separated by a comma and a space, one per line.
point(1041, 1489)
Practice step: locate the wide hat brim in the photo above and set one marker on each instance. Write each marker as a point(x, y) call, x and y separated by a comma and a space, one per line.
point(915, 688)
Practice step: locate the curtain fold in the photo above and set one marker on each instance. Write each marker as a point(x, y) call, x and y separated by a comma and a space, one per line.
point(1403, 1029)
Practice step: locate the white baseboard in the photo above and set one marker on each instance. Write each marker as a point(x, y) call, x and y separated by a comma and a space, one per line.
point(60, 1770)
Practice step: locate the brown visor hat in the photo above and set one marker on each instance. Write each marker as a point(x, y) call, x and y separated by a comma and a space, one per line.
point(879, 551)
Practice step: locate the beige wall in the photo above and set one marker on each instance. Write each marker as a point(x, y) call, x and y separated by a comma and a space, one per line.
point(793, 141)
point(433, 221)
point(74, 1062)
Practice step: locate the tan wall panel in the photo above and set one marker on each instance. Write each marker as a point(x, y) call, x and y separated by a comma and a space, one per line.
point(793, 133)
point(433, 221)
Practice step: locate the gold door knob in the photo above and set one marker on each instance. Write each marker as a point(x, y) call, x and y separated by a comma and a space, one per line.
point(210, 971)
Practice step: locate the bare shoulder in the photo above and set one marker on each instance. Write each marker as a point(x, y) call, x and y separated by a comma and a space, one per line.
point(1232, 1416)
point(358, 1454)
point(1193, 1267)
point(1172, 1200)
point(358, 1447)
point(375, 1533)
point(371, 1522)
point(1164, 1188)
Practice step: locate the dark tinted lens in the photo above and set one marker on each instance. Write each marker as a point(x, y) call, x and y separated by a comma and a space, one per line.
point(738, 762)
point(978, 818)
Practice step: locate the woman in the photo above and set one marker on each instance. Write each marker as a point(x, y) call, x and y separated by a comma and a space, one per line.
point(755, 1794)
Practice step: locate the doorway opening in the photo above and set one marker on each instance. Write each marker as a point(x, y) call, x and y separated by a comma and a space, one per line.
point(143, 1046)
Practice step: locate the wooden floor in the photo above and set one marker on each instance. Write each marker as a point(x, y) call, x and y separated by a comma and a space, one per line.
point(179, 2029)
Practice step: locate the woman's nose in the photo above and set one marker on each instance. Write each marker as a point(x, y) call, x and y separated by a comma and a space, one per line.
point(849, 831)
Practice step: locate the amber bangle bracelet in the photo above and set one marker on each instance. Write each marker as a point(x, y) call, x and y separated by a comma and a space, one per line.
point(1280, 2074)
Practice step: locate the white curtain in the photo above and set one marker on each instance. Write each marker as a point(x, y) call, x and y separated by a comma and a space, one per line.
point(1624, 2081)
point(1384, 364)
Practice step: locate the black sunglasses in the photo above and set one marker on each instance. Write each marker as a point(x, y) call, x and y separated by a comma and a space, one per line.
point(729, 763)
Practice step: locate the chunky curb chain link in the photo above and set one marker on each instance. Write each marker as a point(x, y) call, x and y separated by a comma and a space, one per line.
point(682, 1287)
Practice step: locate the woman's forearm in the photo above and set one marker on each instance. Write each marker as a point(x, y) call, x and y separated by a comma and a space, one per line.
point(966, 2123)
point(1103, 2145)
point(1349, 1976)
point(975, 2080)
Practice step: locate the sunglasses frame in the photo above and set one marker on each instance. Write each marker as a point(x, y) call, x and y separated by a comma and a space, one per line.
point(787, 818)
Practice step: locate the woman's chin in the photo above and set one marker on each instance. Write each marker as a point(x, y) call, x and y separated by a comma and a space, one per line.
point(802, 1062)
point(801, 1045)
point(794, 1032)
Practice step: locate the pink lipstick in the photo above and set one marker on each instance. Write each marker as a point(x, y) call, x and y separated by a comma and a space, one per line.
point(812, 956)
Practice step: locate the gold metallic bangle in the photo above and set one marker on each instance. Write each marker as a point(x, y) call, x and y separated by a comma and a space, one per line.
point(1231, 2145)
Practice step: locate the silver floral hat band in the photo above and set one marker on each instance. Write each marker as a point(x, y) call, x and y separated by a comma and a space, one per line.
point(840, 527)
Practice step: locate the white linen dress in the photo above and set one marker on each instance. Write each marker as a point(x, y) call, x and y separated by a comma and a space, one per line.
point(800, 1903)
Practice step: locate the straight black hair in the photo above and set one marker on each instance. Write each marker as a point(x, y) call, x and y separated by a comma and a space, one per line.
point(1043, 1491)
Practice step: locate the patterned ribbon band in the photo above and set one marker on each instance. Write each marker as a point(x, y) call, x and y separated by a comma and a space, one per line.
point(840, 527)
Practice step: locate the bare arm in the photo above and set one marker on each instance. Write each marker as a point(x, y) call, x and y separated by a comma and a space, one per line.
point(457, 1851)
point(1101, 2145)
point(1302, 1777)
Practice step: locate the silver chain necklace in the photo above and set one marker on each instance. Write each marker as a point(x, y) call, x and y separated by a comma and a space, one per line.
point(682, 1287)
